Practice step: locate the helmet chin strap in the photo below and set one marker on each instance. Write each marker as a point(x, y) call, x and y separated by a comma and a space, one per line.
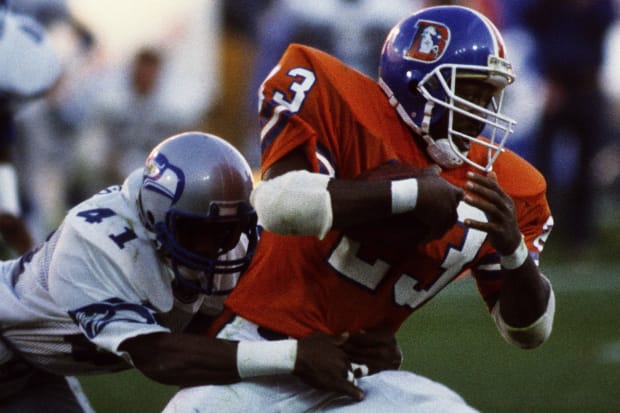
point(440, 150)
point(190, 278)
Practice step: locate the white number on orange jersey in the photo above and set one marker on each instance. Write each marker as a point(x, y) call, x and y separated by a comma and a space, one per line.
point(345, 260)
point(304, 80)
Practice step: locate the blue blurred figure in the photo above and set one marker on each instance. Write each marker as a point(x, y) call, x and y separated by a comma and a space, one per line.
point(570, 37)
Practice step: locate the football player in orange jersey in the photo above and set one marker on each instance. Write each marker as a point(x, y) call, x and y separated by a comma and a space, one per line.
point(436, 106)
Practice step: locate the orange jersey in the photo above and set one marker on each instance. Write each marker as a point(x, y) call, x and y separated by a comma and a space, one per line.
point(299, 284)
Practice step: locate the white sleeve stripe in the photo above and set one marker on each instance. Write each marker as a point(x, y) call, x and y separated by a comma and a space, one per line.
point(325, 162)
point(272, 121)
point(489, 267)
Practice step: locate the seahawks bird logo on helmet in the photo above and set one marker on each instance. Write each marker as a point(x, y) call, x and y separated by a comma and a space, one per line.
point(160, 176)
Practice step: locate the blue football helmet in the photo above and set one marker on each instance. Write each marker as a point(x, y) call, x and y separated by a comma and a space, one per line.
point(194, 198)
point(426, 59)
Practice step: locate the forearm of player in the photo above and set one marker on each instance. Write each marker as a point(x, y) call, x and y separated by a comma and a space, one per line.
point(356, 202)
point(293, 200)
point(305, 203)
point(183, 359)
point(525, 292)
point(189, 360)
point(526, 307)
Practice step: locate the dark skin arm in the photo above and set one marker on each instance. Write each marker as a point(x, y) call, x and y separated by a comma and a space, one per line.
point(524, 293)
point(322, 361)
point(183, 359)
point(355, 201)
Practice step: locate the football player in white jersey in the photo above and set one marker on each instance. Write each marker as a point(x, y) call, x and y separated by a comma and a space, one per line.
point(29, 67)
point(117, 284)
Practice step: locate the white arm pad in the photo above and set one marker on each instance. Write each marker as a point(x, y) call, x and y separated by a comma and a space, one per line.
point(530, 336)
point(296, 203)
point(9, 199)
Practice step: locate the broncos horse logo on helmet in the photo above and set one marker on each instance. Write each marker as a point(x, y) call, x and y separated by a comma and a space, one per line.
point(194, 198)
point(425, 59)
point(430, 41)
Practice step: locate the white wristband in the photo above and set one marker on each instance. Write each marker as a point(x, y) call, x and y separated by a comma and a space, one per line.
point(404, 195)
point(9, 199)
point(517, 258)
point(264, 358)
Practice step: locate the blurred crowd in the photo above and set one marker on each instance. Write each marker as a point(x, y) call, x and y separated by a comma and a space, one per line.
point(203, 72)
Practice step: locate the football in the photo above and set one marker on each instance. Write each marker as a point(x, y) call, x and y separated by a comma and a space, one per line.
point(391, 170)
point(397, 231)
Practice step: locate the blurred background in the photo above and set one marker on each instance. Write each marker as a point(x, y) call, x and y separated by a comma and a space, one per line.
point(135, 72)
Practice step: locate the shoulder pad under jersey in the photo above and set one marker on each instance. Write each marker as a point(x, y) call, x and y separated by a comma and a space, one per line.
point(518, 177)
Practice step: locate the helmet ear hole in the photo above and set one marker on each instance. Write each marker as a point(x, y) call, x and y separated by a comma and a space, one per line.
point(413, 86)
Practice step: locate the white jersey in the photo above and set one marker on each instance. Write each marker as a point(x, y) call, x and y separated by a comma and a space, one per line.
point(68, 305)
point(387, 391)
point(30, 64)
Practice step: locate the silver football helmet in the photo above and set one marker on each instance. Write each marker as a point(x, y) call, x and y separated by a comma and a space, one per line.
point(194, 198)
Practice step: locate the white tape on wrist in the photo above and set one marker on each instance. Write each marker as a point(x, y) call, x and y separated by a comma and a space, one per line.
point(517, 258)
point(404, 195)
point(351, 378)
point(359, 370)
point(9, 199)
point(264, 358)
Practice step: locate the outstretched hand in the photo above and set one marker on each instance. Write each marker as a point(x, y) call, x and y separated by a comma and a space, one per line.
point(484, 193)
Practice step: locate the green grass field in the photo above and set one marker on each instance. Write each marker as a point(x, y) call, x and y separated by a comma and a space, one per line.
point(453, 340)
